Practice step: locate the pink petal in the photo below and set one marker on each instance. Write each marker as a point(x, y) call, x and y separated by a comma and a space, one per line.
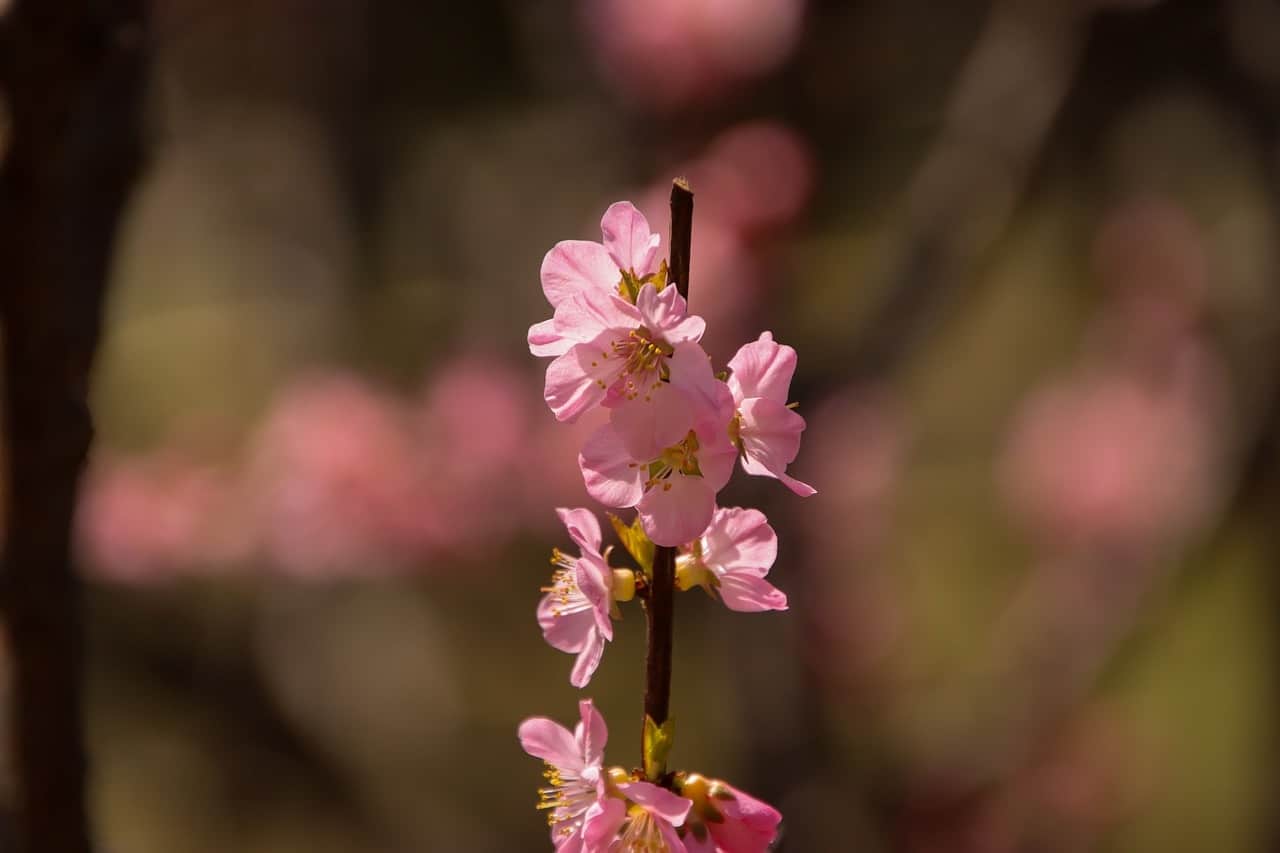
point(595, 734)
point(576, 266)
point(677, 515)
point(571, 843)
point(649, 426)
point(552, 742)
point(583, 527)
point(666, 315)
point(588, 660)
point(602, 822)
point(740, 539)
point(716, 456)
point(544, 339)
point(611, 476)
point(568, 632)
point(762, 368)
point(692, 844)
point(627, 237)
point(658, 801)
point(691, 372)
point(587, 314)
point(595, 580)
point(770, 440)
point(749, 593)
point(750, 825)
point(574, 381)
point(673, 841)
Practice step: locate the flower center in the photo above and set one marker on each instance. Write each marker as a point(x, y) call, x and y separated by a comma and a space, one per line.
point(565, 798)
point(564, 585)
point(643, 364)
point(679, 458)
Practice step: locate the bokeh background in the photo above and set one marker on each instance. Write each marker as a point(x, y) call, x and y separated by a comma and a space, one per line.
point(1027, 252)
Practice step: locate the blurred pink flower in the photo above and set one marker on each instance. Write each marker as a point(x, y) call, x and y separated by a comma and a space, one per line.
point(334, 474)
point(670, 53)
point(1110, 459)
point(158, 516)
point(732, 557)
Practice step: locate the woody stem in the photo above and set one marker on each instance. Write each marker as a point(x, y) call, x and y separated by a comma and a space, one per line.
point(660, 603)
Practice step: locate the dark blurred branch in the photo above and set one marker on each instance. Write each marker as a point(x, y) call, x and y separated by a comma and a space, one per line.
point(660, 604)
point(73, 74)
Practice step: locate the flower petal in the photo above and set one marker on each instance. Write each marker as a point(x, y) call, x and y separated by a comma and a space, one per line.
point(595, 580)
point(545, 339)
point(610, 475)
point(628, 240)
point(566, 631)
point(588, 660)
point(762, 368)
point(552, 742)
point(649, 425)
point(669, 806)
point(576, 381)
point(666, 314)
point(583, 527)
point(602, 822)
point(770, 435)
point(577, 266)
point(746, 592)
point(595, 734)
point(739, 539)
point(750, 825)
point(676, 511)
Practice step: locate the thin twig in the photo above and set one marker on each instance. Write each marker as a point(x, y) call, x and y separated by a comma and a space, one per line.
point(660, 604)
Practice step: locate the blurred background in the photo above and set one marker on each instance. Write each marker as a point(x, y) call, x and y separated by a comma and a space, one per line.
point(1027, 253)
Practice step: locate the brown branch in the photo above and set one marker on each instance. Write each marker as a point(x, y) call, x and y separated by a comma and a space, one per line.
point(73, 74)
point(660, 604)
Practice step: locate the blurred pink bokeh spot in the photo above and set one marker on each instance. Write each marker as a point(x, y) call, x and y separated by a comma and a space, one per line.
point(672, 53)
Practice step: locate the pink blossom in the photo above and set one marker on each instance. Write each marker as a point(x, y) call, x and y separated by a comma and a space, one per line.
point(620, 350)
point(589, 809)
point(733, 555)
point(767, 431)
point(576, 612)
point(724, 819)
point(673, 487)
point(575, 267)
point(575, 796)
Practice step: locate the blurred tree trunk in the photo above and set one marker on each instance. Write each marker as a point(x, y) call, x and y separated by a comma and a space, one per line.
point(72, 73)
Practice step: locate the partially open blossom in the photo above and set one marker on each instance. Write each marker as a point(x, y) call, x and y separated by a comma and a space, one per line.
point(673, 487)
point(628, 256)
point(591, 809)
point(732, 556)
point(577, 611)
point(724, 819)
point(767, 432)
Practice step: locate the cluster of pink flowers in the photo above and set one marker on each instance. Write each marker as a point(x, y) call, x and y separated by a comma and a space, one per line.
point(622, 340)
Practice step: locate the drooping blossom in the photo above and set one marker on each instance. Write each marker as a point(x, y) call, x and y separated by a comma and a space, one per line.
point(724, 819)
point(591, 809)
point(767, 432)
point(668, 468)
point(732, 557)
point(628, 255)
point(577, 611)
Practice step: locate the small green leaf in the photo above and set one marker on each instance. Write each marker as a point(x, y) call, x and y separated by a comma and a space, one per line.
point(633, 538)
point(658, 741)
point(629, 286)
